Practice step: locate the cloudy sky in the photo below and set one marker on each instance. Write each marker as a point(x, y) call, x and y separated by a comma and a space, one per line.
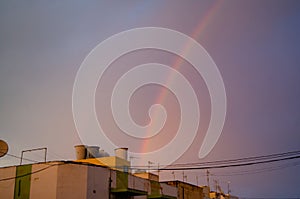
point(255, 45)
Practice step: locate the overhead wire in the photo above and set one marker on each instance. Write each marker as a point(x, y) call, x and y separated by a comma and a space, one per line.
point(258, 170)
point(30, 160)
point(247, 159)
point(230, 165)
point(229, 162)
point(201, 166)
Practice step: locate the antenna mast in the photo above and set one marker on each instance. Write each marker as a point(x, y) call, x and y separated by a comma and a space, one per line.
point(207, 177)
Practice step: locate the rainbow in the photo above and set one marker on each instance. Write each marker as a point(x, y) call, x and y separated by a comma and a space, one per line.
point(208, 17)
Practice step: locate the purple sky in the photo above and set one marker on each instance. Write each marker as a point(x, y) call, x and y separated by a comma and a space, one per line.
point(255, 45)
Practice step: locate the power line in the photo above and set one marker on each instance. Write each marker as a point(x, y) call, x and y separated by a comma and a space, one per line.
point(231, 165)
point(232, 162)
point(259, 170)
point(35, 161)
point(11, 155)
point(247, 159)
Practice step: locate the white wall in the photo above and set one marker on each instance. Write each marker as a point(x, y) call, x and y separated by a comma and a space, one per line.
point(7, 187)
point(72, 181)
point(98, 183)
point(44, 182)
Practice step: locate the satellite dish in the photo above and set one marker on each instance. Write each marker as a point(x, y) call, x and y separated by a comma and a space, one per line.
point(3, 148)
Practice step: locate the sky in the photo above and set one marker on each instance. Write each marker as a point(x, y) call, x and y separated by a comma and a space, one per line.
point(255, 45)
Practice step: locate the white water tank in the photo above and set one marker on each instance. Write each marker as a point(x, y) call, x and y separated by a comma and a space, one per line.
point(93, 152)
point(103, 153)
point(121, 153)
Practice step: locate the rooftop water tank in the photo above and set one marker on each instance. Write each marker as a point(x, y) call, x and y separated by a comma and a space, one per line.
point(103, 153)
point(93, 152)
point(81, 152)
point(121, 153)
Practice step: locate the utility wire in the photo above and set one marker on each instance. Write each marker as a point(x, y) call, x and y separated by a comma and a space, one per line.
point(230, 165)
point(232, 161)
point(258, 170)
point(253, 170)
point(11, 155)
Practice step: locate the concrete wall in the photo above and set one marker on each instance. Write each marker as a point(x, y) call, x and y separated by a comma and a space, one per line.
point(7, 187)
point(147, 175)
point(186, 190)
point(60, 180)
point(168, 190)
point(98, 182)
point(115, 162)
point(138, 183)
point(72, 181)
point(41, 182)
point(44, 181)
point(69, 181)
